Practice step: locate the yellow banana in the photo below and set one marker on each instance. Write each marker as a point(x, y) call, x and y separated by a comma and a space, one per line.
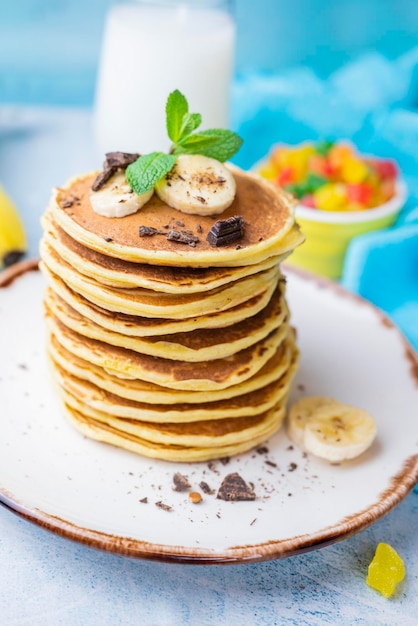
point(12, 234)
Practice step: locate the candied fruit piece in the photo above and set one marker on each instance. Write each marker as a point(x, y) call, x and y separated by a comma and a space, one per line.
point(353, 170)
point(331, 197)
point(386, 570)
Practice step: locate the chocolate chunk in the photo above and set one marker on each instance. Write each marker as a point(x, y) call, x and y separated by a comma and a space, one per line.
point(226, 231)
point(182, 237)
point(234, 487)
point(120, 159)
point(181, 482)
point(113, 162)
point(102, 178)
point(147, 231)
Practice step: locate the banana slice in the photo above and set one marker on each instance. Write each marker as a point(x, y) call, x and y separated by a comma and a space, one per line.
point(197, 184)
point(301, 412)
point(331, 430)
point(117, 199)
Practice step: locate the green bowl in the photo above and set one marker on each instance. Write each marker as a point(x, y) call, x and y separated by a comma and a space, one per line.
point(329, 233)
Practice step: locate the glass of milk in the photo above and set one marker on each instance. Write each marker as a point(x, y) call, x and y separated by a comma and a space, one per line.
point(150, 48)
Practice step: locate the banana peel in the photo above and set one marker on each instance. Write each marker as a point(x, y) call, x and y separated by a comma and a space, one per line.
point(13, 243)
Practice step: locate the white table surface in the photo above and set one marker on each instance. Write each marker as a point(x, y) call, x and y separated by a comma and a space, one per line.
point(46, 580)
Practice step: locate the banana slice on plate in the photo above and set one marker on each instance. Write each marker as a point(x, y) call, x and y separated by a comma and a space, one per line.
point(301, 412)
point(330, 429)
point(117, 199)
point(197, 184)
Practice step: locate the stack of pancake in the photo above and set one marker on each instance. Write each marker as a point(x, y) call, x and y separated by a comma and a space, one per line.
point(173, 347)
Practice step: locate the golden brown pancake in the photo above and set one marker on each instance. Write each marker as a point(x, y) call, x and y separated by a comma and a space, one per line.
point(197, 345)
point(149, 303)
point(147, 392)
point(205, 376)
point(268, 214)
point(136, 326)
point(90, 400)
point(125, 274)
point(109, 434)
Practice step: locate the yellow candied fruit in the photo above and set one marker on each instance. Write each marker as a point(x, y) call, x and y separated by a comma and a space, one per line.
point(353, 170)
point(331, 197)
point(386, 570)
point(295, 159)
point(268, 171)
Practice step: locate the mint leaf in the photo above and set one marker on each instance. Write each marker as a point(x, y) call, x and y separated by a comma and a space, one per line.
point(143, 173)
point(190, 122)
point(176, 109)
point(216, 143)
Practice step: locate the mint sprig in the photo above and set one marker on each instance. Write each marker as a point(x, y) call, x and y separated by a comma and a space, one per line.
point(216, 143)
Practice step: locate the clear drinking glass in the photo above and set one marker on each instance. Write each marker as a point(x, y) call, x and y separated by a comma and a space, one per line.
point(150, 48)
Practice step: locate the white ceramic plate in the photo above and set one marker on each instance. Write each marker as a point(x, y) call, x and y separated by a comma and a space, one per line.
point(109, 498)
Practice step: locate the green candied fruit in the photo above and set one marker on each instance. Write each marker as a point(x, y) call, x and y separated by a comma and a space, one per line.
point(386, 570)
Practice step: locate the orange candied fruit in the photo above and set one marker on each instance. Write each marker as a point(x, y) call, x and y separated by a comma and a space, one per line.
point(331, 176)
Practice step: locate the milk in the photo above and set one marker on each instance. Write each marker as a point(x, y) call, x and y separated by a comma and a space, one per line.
point(150, 50)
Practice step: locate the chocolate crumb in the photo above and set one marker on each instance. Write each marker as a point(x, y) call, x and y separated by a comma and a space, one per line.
point(182, 237)
point(212, 466)
point(292, 467)
point(164, 507)
point(199, 228)
point(290, 448)
point(271, 463)
point(179, 223)
point(67, 203)
point(147, 231)
point(224, 232)
point(181, 482)
point(108, 239)
point(201, 199)
point(234, 488)
point(205, 488)
point(253, 522)
point(262, 450)
point(225, 460)
point(144, 500)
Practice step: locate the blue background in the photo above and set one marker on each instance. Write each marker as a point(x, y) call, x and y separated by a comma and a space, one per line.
point(49, 48)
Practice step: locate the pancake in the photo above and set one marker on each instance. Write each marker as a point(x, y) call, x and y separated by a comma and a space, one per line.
point(205, 376)
point(268, 214)
point(106, 433)
point(125, 274)
point(204, 433)
point(162, 340)
point(90, 400)
point(149, 303)
point(197, 345)
point(137, 326)
point(146, 392)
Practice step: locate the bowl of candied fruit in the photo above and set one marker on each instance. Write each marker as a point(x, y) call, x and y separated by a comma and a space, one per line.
point(340, 194)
